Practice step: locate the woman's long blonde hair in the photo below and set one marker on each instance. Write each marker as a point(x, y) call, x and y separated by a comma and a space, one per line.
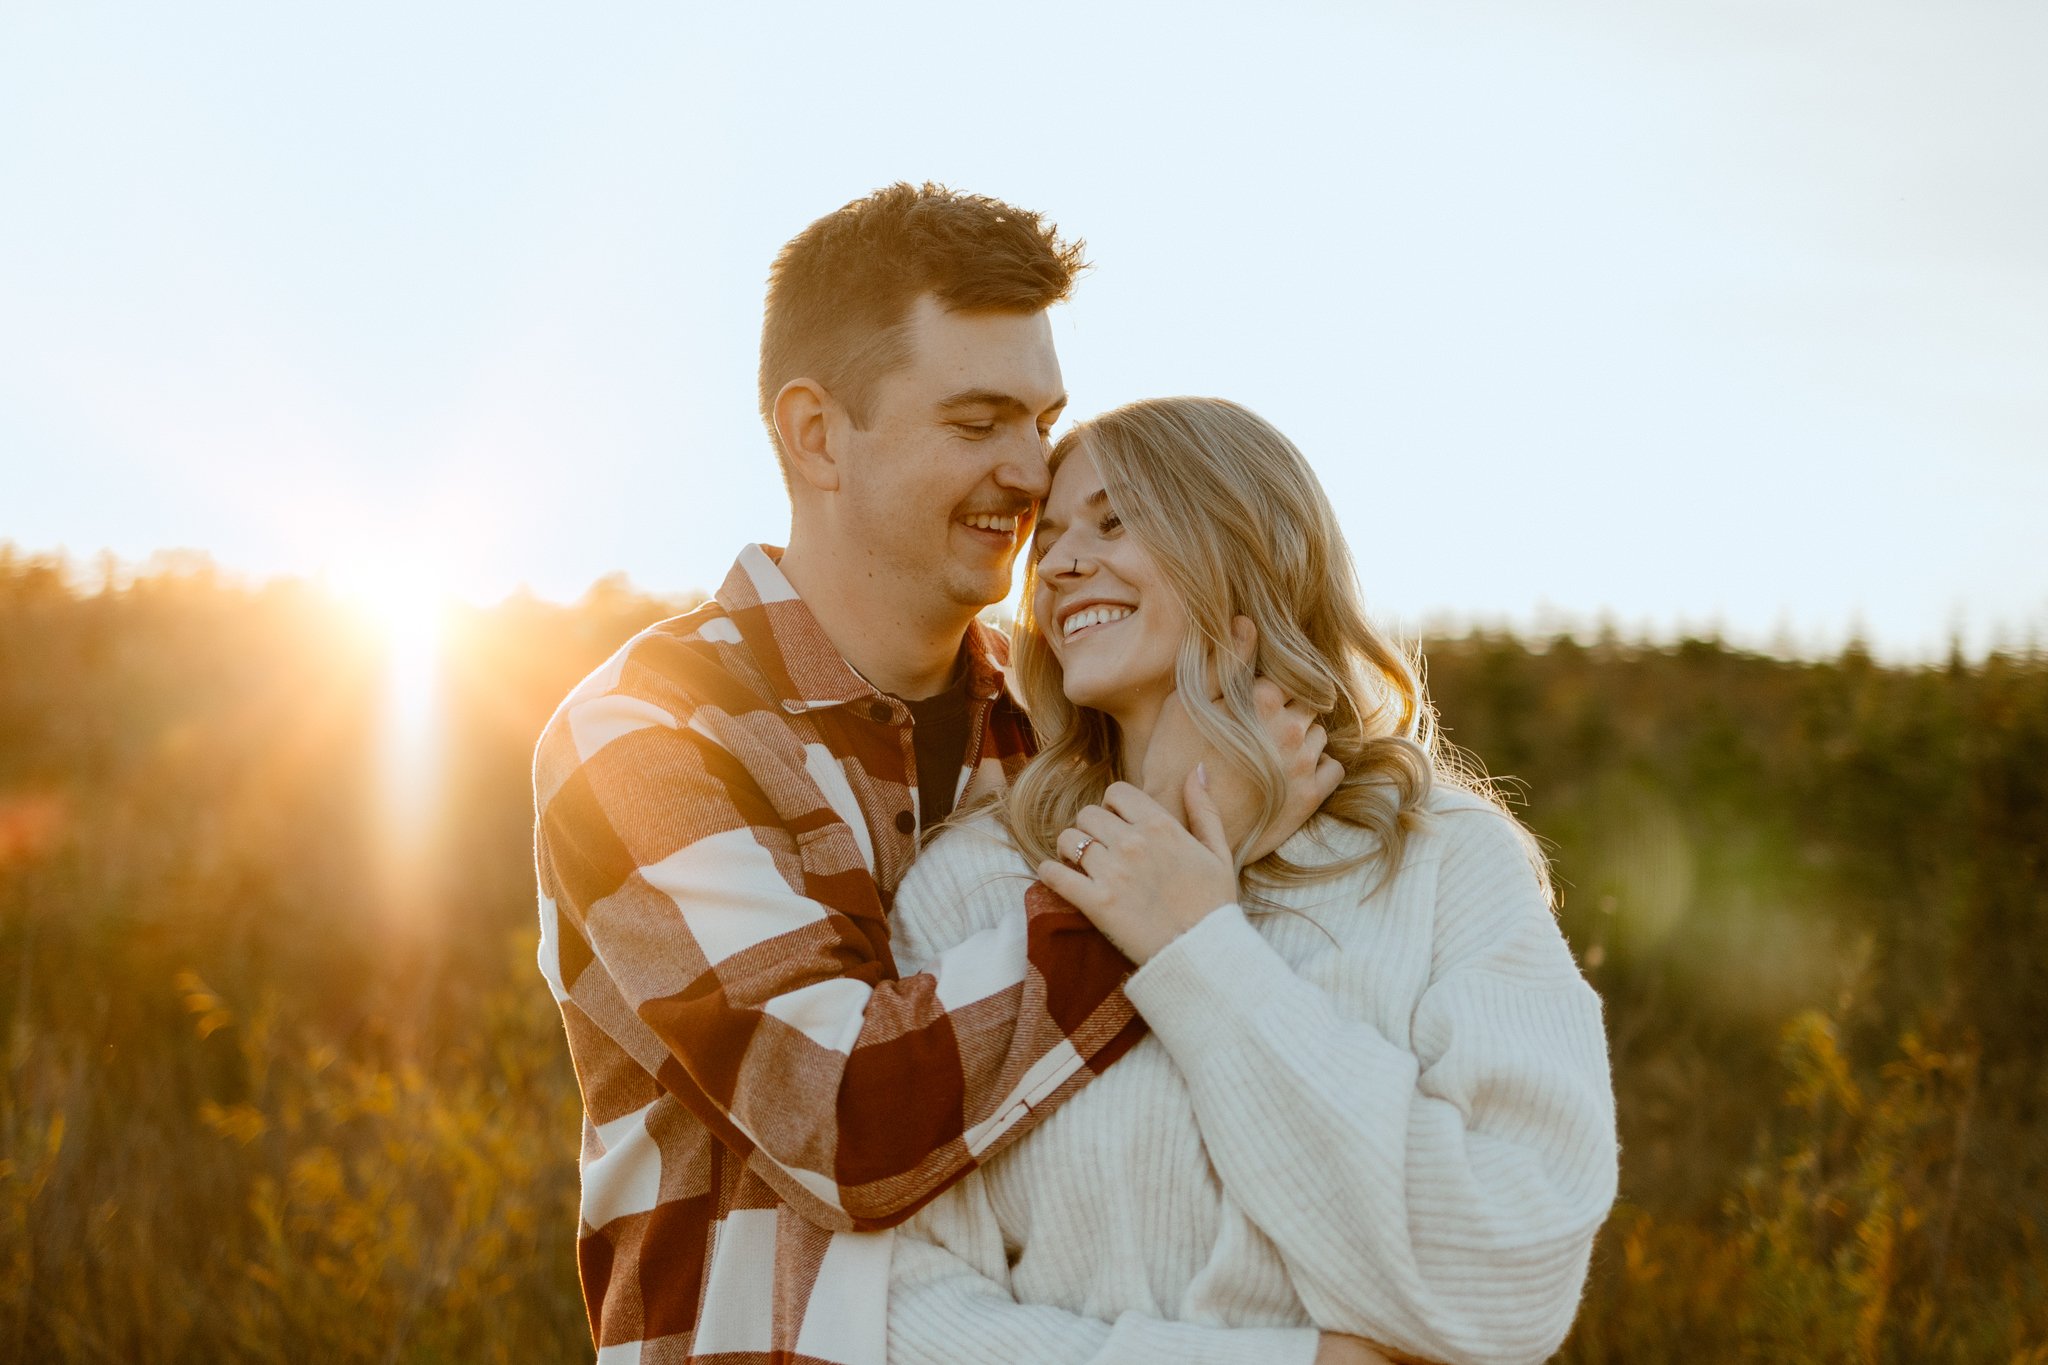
point(1239, 526)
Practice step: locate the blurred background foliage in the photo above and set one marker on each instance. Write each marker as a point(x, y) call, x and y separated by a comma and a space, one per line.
point(282, 1082)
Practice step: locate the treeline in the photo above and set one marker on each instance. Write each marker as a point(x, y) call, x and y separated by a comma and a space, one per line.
point(281, 1079)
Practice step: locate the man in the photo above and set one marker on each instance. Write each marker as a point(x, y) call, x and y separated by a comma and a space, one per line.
point(727, 805)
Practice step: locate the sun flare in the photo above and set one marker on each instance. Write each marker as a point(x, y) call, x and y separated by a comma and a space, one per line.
point(402, 610)
point(405, 612)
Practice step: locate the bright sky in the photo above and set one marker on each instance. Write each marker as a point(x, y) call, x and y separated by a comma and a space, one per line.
point(1698, 313)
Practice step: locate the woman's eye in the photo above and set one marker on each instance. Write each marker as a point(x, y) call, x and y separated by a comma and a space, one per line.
point(977, 428)
point(1110, 525)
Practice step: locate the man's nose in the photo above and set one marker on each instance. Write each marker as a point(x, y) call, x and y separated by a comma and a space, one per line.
point(1024, 470)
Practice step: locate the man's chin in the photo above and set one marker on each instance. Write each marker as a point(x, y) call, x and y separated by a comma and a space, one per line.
point(977, 590)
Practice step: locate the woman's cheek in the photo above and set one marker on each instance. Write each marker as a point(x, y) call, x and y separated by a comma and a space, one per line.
point(1041, 616)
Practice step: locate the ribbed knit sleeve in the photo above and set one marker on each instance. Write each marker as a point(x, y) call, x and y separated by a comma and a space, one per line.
point(1442, 1197)
point(949, 1306)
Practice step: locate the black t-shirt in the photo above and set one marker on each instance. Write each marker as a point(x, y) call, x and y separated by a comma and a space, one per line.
point(939, 732)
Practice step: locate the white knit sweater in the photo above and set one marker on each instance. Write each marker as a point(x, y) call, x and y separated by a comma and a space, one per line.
point(1388, 1114)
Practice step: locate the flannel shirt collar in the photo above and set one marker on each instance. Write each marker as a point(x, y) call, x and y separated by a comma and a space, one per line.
point(799, 660)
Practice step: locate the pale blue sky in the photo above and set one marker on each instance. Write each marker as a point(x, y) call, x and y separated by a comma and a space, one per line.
point(1689, 313)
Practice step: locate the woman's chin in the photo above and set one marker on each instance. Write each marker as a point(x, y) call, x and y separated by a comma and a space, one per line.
point(1086, 699)
point(1092, 693)
point(1116, 697)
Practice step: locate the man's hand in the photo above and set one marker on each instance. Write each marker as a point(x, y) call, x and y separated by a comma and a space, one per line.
point(1177, 747)
point(1334, 1348)
point(1312, 775)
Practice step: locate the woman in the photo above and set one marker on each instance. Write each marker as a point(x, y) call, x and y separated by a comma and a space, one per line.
point(1374, 1102)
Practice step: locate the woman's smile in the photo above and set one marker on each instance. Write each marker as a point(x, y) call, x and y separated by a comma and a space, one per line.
point(1086, 618)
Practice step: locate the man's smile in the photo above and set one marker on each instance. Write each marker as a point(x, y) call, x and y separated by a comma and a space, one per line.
point(994, 530)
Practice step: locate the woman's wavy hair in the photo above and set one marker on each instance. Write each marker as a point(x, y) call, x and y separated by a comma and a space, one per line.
point(1239, 526)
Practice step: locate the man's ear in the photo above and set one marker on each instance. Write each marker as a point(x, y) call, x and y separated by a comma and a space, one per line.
point(804, 418)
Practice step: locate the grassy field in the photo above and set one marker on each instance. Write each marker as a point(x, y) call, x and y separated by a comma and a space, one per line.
point(282, 1082)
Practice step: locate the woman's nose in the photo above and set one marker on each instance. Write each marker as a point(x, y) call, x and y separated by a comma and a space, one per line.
point(1063, 563)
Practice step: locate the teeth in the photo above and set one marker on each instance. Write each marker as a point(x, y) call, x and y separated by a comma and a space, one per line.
point(1092, 616)
point(1006, 525)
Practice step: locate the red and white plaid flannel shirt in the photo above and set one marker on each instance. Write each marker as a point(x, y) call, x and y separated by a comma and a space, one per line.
point(725, 809)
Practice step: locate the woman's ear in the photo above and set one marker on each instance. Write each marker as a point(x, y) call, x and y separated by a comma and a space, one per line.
point(803, 423)
point(1244, 647)
point(1244, 641)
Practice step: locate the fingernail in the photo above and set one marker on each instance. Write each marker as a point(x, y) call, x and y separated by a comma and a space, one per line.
point(1202, 776)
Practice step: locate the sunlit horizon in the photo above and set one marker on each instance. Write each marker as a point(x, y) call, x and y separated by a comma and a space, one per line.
point(411, 625)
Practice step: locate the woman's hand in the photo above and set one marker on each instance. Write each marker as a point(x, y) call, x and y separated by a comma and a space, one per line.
point(1130, 867)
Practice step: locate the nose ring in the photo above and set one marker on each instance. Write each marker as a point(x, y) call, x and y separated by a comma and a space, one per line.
point(1077, 565)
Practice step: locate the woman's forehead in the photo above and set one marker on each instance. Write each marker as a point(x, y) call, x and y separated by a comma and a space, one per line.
point(1074, 485)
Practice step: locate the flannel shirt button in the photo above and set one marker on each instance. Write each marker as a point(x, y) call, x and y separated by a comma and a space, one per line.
point(906, 822)
point(878, 711)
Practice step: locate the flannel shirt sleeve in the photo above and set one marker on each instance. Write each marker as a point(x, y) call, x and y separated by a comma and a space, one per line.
point(747, 951)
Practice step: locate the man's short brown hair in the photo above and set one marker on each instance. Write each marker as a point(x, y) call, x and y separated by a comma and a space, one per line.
point(840, 293)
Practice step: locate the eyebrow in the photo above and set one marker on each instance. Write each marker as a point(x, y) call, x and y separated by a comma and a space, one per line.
point(1002, 402)
point(1099, 498)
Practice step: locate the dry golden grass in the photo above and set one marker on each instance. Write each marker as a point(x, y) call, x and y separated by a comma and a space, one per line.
point(282, 1084)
